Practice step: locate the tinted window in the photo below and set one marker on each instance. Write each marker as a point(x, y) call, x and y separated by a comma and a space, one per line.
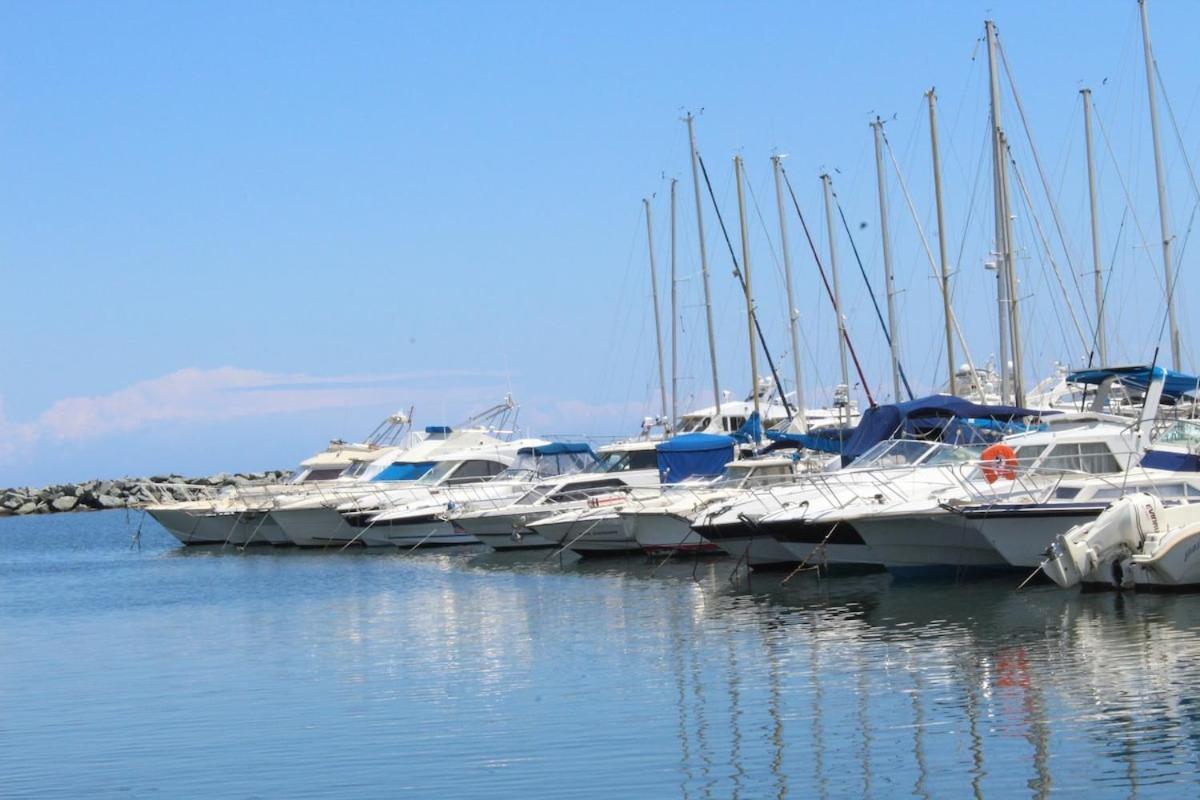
point(476, 471)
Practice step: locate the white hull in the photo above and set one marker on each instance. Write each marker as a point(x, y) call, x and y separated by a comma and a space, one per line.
point(436, 533)
point(590, 535)
point(662, 533)
point(503, 531)
point(208, 527)
point(934, 540)
point(1022, 539)
point(314, 527)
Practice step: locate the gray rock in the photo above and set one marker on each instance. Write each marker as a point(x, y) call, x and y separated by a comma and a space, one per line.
point(109, 501)
point(28, 508)
point(65, 503)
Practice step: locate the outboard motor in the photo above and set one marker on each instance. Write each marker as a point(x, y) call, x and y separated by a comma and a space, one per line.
point(1119, 531)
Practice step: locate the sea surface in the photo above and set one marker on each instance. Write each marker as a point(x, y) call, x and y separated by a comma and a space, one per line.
point(140, 668)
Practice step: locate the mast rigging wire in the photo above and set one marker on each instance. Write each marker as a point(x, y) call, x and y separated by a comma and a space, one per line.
point(737, 273)
point(829, 290)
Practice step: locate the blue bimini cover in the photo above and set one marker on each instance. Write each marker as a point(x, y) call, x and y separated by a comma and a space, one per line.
point(1175, 384)
point(556, 449)
point(404, 471)
point(922, 416)
point(822, 440)
point(693, 455)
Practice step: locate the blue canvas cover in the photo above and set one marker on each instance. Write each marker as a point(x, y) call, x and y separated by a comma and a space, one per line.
point(404, 471)
point(556, 449)
point(437, 430)
point(941, 413)
point(693, 455)
point(1176, 462)
point(822, 440)
point(1175, 385)
point(751, 430)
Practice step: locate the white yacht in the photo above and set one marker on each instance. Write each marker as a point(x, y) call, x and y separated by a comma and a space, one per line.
point(620, 466)
point(237, 515)
point(770, 528)
point(1007, 513)
point(664, 523)
point(598, 528)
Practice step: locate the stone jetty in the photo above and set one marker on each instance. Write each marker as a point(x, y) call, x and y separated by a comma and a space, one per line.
point(98, 495)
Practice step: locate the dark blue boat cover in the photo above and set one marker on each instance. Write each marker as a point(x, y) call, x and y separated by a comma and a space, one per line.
point(943, 413)
point(693, 454)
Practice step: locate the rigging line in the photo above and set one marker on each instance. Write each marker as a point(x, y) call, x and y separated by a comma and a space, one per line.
point(1049, 255)
point(1125, 188)
point(737, 273)
point(829, 290)
point(912, 209)
point(1174, 282)
point(1037, 161)
point(887, 335)
point(1178, 135)
point(1108, 284)
point(1045, 276)
point(770, 248)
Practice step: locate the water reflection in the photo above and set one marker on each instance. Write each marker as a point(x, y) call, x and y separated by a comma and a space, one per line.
point(467, 673)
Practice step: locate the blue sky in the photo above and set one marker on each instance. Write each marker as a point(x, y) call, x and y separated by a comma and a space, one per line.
point(232, 231)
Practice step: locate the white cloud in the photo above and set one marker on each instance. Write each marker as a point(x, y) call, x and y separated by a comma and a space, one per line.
point(214, 395)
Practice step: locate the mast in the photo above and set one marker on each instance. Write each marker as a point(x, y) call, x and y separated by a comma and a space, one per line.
point(708, 315)
point(674, 320)
point(947, 311)
point(1163, 213)
point(1005, 277)
point(737, 169)
point(837, 294)
point(793, 315)
point(1010, 273)
point(662, 380)
point(1101, 347)
point(890, 285)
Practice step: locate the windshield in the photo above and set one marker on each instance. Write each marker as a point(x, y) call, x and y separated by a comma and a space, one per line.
point(945, 454)
point(438, 472)
point(1183, 432)
point(693, 424)
point(625, 460)
point(530, 466)
point(894, 453)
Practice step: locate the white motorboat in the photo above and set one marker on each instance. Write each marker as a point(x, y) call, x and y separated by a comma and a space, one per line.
point(1136, 543)
point(1007, 513)
point(237, 515)
point(664, 523)
point(620, 466)
point(770, 528)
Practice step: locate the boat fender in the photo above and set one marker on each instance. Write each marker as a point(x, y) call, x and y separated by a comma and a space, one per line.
point(999, 461)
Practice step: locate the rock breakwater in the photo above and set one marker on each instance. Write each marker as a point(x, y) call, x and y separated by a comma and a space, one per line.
point(98, 495)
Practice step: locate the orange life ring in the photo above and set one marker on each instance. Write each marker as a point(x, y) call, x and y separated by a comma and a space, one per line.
point(999, 461)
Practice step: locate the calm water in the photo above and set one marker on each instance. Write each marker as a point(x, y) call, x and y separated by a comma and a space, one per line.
point(172, 672)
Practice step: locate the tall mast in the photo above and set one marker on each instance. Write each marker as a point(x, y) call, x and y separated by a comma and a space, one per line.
point(1009, 378)
point(947, 311)
point(793, 315)
point(889, 282)
point(737, 170)
point(1101, 347)
point(662, 379)
point(674, 320)
point(708, 315)
point(837, 294)
point(1010, 273)
point(1163, 213)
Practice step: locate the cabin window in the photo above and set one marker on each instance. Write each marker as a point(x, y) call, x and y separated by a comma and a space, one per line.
point(322, 475)
point(1093, 458)
point(733, 423)
point(584, 490)
point(476, 472)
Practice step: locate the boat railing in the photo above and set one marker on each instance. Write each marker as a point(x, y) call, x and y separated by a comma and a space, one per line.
point(150, 493)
